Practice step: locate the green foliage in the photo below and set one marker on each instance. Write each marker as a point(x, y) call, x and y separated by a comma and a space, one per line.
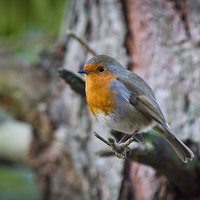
point(26, 25)
point(30, 16)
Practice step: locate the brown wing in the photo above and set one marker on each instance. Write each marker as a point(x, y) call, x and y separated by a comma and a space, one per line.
point(149, 107)
point(142, 98)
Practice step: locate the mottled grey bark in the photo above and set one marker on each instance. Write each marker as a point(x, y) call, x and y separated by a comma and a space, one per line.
point(82, 174)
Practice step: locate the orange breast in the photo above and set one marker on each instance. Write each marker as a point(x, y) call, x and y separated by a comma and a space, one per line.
point(98, 93)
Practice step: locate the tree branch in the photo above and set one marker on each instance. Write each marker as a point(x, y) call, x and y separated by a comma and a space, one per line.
point(76, 81)
point(165, 160)
point(157, 152)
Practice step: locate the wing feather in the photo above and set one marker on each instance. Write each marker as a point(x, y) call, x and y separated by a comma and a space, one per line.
point(149, 107)
point(144, 100)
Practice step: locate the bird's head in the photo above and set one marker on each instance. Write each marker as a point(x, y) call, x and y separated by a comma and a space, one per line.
point(101, 66)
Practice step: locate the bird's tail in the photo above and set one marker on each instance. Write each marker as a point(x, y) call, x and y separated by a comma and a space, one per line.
point(181, 149)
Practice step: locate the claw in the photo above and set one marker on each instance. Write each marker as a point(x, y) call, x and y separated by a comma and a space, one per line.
point(128, 150)
point(124, 154)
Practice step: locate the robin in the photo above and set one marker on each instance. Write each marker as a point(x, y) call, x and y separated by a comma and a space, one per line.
point(123, 101)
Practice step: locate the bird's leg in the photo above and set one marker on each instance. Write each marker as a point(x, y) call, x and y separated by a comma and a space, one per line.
point(122, 139)
point(134, 133)
point(128, 149)
point(125, 135)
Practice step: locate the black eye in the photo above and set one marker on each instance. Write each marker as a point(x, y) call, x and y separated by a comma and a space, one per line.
point(101, 69)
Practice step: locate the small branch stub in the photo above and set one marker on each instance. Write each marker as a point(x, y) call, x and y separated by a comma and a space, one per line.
point(121, 150)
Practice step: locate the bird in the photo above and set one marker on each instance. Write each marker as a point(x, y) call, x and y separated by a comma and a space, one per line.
point(123, 101)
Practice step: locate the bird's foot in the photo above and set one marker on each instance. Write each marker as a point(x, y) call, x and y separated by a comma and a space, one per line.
point(124, 154)
point(121, 150)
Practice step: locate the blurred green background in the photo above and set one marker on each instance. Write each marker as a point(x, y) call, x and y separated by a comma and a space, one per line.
point(25, 26)
point(17, 183)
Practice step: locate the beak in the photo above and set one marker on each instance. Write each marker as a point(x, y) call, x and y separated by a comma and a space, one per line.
point(84, 71)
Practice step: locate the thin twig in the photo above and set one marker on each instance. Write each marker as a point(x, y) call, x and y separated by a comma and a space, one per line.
point(102, 139)
point(82, 41)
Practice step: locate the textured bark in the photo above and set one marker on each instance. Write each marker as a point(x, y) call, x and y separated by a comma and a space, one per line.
point(68, 168)
point(162, 40)
point(159, 43)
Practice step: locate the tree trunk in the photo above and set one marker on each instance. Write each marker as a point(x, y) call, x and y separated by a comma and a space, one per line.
point(158, 40)
point(68, 167)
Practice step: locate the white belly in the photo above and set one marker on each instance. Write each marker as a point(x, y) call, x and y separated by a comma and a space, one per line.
point(124, 125)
